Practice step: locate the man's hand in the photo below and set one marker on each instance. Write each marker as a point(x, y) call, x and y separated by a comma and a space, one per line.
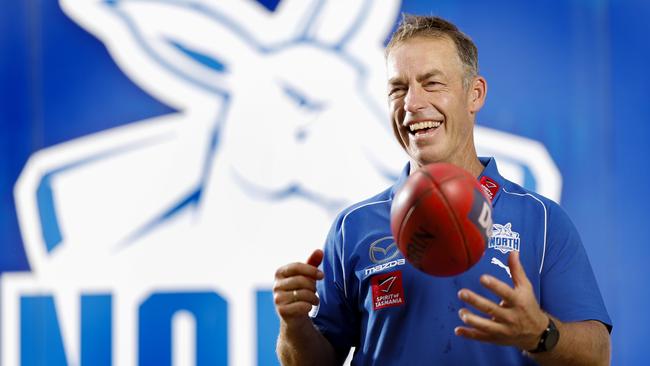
point(294, 291)
point(517, 321)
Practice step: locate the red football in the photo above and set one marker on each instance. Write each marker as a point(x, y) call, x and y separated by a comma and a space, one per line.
point(441, 219)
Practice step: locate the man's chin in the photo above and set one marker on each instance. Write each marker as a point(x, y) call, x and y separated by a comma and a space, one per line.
point(422, 158)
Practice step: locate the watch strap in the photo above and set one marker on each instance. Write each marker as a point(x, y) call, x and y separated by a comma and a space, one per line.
point(548, 339)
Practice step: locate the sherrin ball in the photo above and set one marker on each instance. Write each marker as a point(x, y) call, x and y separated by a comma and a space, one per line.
point(441, 219)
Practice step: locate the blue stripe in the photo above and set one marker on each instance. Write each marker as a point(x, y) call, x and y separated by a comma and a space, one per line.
point(47, 214)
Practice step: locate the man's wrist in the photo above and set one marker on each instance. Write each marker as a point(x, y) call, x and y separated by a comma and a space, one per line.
point(296, 324)
point(548, 339)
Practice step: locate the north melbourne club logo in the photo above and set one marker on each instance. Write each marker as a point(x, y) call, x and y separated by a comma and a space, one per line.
point(504, 239)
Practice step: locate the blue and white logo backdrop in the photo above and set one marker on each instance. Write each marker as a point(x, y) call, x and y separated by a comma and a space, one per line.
point(162, 158)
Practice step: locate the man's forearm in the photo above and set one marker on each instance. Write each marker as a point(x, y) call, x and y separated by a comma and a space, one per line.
point(581, 343)
point(303, 344)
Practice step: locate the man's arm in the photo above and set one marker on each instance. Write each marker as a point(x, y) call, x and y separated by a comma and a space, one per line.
point(581, 343)
point(519, 321)
point(300, 343)
point(294, 293)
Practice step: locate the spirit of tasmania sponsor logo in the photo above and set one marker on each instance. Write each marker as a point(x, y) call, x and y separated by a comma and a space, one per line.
point(387, 290)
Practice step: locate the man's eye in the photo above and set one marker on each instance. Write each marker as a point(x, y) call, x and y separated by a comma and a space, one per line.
point(432, 84)
point(396, 92)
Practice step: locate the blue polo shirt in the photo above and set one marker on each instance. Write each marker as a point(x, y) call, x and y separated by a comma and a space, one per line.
point(374, 300)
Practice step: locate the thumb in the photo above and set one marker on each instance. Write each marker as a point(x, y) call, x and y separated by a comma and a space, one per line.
point(315, 258)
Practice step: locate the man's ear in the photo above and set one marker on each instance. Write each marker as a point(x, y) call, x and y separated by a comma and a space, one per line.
point(477, 94)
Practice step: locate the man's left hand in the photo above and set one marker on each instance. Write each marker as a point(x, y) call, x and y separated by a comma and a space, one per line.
point(516, 321)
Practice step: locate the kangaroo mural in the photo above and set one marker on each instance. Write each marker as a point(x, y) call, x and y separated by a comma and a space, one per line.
point(281, 122)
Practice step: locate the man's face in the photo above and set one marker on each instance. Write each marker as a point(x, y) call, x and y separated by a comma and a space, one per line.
point(432, 113)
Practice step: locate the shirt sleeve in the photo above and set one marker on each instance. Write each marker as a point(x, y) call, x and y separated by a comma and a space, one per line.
point(569, 290)
point(335, 316)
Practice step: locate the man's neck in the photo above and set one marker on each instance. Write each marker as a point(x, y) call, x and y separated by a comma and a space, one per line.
point(471, 163)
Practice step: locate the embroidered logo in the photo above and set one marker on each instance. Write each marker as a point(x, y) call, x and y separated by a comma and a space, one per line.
point(387, 290)
point(490, 187)
point(500, 264)
point(504, 239)
point(383, 250)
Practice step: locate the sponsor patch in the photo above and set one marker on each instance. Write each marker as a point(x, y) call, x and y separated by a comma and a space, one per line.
point(490, 187)
point(384, 266)
point(383, 250)
point(387, 290)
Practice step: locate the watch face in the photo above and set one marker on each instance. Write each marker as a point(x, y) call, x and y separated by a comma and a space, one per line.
point(549, 338)
point(552, 337)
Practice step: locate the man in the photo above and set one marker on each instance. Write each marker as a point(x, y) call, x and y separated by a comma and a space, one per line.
point(532, 297)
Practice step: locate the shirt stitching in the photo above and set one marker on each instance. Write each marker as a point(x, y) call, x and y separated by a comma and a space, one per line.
point(345, 288)
point(545, 222)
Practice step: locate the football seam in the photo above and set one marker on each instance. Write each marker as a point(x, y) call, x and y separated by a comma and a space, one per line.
point(456, 223)
point(410, 211)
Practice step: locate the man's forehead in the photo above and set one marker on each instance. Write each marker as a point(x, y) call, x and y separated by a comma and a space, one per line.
point(425, 74)
point(422, 57)
point(423, 44)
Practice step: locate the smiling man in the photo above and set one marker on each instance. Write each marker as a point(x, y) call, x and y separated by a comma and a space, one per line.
point(543, 307)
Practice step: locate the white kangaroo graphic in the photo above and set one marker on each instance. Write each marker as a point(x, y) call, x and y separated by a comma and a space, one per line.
point(282, 121)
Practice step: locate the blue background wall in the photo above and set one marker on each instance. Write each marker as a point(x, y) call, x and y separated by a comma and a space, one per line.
point(571, 74)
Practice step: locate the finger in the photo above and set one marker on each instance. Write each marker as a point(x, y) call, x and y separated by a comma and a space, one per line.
point(299, 269)
point(295, 283)
point(519, 277)
point(472, 333)
point(289, 297)
point(292, 310)
point(484, 305)
point(499, 288)
point(488, 326)
point(316, 258)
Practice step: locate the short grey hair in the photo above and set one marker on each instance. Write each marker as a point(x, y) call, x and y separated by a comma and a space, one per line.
point(413, 26)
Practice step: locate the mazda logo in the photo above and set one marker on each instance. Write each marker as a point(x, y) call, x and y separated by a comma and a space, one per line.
point(383, 250)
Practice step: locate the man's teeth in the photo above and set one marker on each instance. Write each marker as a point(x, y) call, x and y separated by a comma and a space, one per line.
point(422, 125)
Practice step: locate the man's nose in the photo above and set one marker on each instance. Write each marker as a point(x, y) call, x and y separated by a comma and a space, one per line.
point(414, 100)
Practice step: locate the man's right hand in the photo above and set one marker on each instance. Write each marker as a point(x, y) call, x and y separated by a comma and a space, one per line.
point(294, 291)
point(294, 294)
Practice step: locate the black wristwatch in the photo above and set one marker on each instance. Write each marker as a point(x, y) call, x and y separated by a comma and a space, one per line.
point(548, 339)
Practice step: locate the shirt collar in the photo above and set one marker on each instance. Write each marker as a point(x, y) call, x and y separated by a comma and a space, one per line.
point(400, 181)
point(490, 178)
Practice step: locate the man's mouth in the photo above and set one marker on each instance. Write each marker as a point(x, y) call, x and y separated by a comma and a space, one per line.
point(423, 127)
